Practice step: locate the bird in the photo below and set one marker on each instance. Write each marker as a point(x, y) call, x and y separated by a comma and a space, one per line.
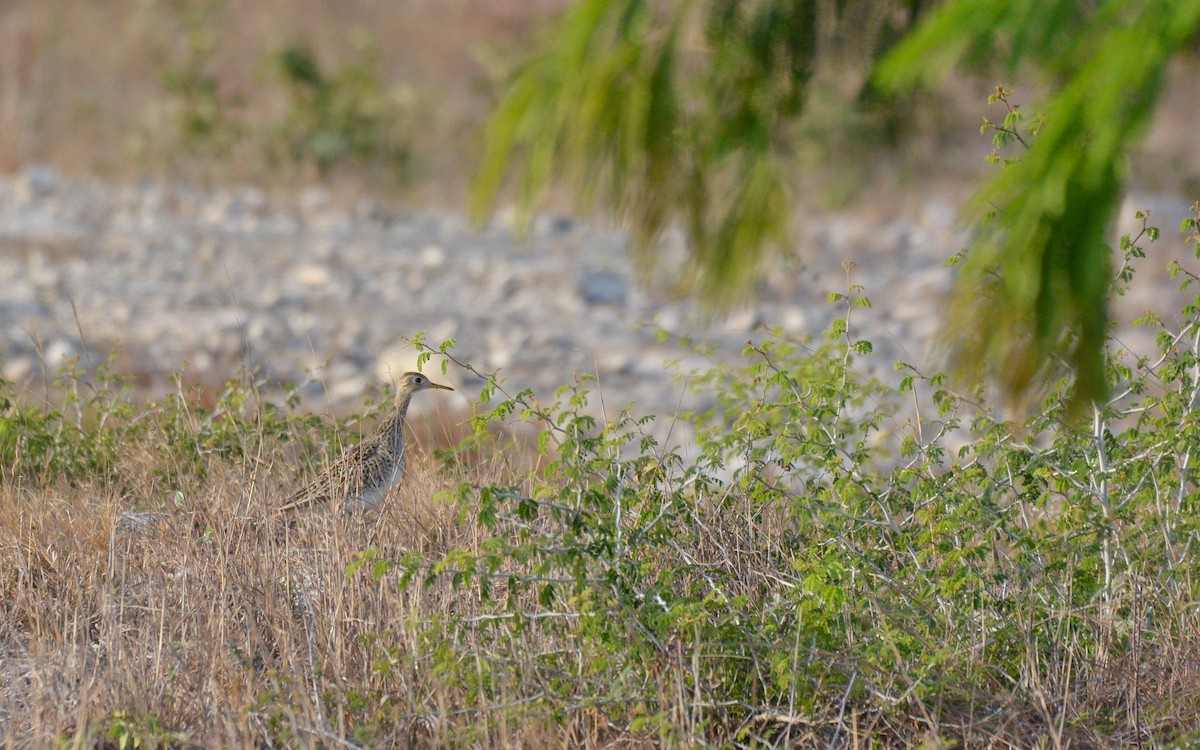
point(362, 476)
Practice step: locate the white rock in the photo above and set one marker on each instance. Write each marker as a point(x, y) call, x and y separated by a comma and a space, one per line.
point(938, 215)
point(793, 319)
point(59, 351)
point(431, 257)
point(311, 274)
point(16, 369)
point(742, 320)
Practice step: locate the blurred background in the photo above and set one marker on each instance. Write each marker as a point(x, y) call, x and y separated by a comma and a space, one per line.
point(386, 95)
point(199, 185)
point(391, 96)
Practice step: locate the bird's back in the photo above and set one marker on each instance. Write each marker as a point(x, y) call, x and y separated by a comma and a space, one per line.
point(359, 478)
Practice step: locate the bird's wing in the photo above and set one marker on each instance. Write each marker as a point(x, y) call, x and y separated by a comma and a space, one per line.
point(345, 475)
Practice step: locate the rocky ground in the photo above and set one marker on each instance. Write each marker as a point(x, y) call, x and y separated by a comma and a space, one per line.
point(175, 278)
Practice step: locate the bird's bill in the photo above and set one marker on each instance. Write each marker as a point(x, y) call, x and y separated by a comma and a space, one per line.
point(440, 387)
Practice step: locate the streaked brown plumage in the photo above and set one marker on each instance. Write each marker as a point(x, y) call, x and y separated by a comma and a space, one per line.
point(362, 476)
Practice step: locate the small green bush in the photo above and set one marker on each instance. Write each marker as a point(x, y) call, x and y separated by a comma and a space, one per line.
point(842, 553)
point(96, 430)
point(347, 116)
point(203, 116)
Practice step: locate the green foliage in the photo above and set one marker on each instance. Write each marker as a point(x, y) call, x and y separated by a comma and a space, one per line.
point(1041, 264)
point(130, 731)
point(203, 119)
point(97, 432)
point(685, 112)
point(347, 116)
point(829, 547)
point(690, 113)
point(53, 441)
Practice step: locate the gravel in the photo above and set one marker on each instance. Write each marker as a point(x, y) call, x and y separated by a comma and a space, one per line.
point(174, 277)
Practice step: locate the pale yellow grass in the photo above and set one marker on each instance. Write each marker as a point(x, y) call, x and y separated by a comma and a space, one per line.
point(84, 86)
point(227, 624)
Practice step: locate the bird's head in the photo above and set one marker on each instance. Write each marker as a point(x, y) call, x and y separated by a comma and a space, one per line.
point(411, 382)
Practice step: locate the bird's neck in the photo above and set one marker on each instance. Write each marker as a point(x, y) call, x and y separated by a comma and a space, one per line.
point(400, 405)
point(393, 423)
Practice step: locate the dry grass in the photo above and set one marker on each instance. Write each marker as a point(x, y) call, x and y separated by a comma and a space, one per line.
point(139, 613)
point(214, 622)
point(152, 597)
point(216, 616)
point(84, 86)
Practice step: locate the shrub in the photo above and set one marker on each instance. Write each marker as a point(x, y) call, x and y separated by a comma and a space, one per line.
point(834, 563)
point(344, 117)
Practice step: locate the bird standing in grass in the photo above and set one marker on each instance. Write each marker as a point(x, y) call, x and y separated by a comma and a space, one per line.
point(364, 474)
